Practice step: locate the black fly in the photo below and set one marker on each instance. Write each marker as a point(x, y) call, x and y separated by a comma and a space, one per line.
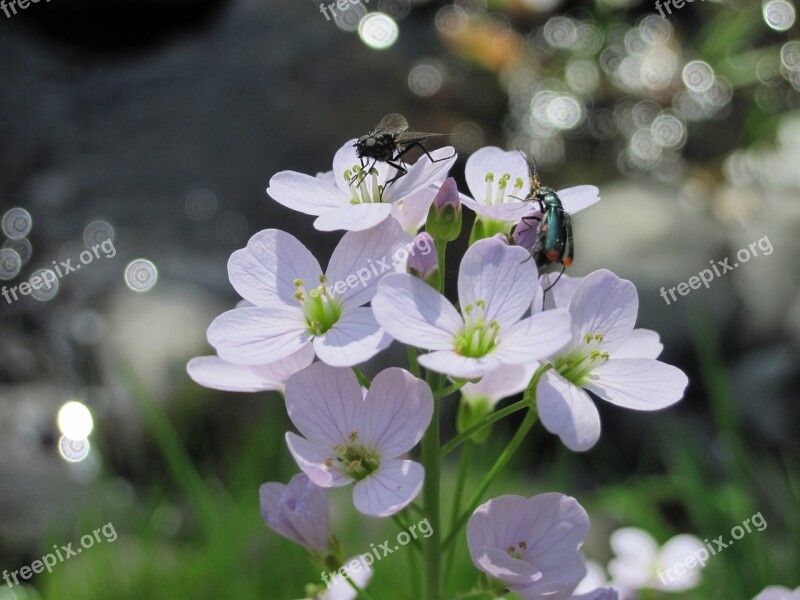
point(389, 142)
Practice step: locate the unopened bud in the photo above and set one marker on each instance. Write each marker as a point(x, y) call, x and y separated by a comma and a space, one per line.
point(444, 216)
point(423, 261)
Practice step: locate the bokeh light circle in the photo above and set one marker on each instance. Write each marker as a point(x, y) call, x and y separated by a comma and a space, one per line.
point(425, 80)
point(779, 14)
point(451, 20)
point(698, 76)
point(397, 9)
point(560, 32)
point(668, 131)
point(22, 247)
point(141, 275)
point(17, 223)
point(97, 232)
point(73, 450)
point(348, 20)
point(48, 288)
point(201, 205)
point(378, 31)
point(10, 264)
point(467, 136)
point(75, 420)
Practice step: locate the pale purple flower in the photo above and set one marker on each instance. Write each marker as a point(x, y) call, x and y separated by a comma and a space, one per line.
point(298, 511)
point(340, 588)
point(498, 181)
point(777, 592)
point(595, 578)
point(412, 212)
point(605, 593)
point(423, 264)
point(213, 372)
point(296, 305)
point(501, 382)
point(352, 438)
point(640, 563)
point(530, 544)
point(606, 356)
point(496, 283)
point(341, 202)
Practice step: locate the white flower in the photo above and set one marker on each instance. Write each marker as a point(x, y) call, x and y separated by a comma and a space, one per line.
point(777, 592)
point(498, 181)
point(296, 305)
point(496, 284)
point(641, 564)
point(606, 356)
point(340, 201)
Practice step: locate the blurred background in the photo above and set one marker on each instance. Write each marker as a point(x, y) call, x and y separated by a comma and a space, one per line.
point(156, 124)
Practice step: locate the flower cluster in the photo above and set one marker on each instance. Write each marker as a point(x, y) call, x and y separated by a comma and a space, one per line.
point(304, 331)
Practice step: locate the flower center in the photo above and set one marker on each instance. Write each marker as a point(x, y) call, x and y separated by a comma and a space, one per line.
point(356, 460)
point(518, 550)
point(576, 365)
point(496, 191)
point(478, 337)
point(321, 308)
point(364, 187)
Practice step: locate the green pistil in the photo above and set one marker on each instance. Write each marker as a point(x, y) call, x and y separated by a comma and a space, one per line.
point(364, 187)
point(517, 551)
point(577, 365)
point(498, 196)
point(356, 460)
point(478, 337)
point(321, 308)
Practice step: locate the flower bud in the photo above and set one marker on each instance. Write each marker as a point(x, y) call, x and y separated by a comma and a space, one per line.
point(423, 261)
point(527, 229)
point(444, 216)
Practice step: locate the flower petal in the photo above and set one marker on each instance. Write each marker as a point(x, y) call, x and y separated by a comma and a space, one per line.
point(264, 272)
point(638, 383)
point(559, 291)
point(364, 257)
point(353, 217)
point(422, 174)
point(501, 382)
point(575, 199)
point(641, 343)
point(340, 588)
point(397, 410)
point(605, 304)
point(257, 336)
point(355, 338)
point(509, 211)
point(413, 313)
point(492, 159)
point(304, 193)
point(324, 403)
point(389, 489)
point(535, 338)
point(502, 276)
point(218, 374)
point(314, 459)
point(412, 211)
point(298, 511)
point(568, 412)
point(456, 365)
point(560, 528)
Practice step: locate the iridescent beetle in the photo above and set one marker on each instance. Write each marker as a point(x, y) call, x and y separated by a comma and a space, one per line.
point(554, 242)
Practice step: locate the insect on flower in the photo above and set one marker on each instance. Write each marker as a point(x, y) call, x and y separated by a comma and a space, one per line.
point(554, 242)
point(389, 142)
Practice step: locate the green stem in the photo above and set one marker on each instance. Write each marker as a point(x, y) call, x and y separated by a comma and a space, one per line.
point(362, 593)
point(362, 379)
point(413, 365)
point(454, 387)
point(430, 460)
point(403, 525)
point(441, 253)
point(461, 480)
point(485, 422)
point(527, 424)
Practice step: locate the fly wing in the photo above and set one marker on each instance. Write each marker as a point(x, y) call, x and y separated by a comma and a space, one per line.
point(392, 123)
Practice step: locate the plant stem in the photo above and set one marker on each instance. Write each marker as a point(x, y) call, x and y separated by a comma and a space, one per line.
point(530, 420)
point(362, 379)
point(403, 525)
point(413, 365)
point(454, 387)
point(485, 422)
point(431, 549)
point(362, 593)
point(463, 470)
